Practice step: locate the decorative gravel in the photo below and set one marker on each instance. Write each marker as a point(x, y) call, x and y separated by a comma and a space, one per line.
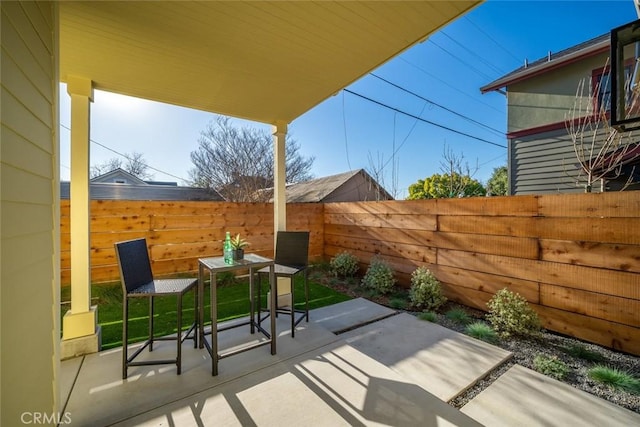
point(524, 351)
point(550, 344)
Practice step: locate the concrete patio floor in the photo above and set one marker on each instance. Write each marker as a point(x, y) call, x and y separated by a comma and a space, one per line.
point(395, 370)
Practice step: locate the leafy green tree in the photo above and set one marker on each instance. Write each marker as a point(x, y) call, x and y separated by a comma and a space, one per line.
point(455, 181)
point(439, 186)
point(498, 184)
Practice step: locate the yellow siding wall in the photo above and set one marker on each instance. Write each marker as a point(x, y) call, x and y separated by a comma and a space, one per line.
point(29, 182)
point(548, 98)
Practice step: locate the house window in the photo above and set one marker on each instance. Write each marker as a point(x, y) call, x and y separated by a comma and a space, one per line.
point(120, 181)
point(601, 82)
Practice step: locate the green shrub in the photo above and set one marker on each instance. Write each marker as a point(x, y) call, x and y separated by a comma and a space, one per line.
point(344, 264)
point(550, 366)
point(615, 378)
point(379, 277)
point(482, 331)
point(428, 316)
point(458, 315)
point(425, 292)
point(510, 314)
point(581, 352)
point(398, 303)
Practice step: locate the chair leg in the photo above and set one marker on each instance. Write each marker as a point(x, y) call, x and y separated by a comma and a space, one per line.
point(195, 318)
point(150, 323)
point(293, 307)
point(306, 295)
point(179, 335)
point(125, 333)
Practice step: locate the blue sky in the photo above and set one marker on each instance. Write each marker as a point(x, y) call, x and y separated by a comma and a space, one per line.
point(347, 132)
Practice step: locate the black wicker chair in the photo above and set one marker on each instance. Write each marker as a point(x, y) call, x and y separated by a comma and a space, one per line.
point(291, 259)
point(138, 282)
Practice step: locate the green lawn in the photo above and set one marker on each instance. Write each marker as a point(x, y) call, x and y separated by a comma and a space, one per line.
point(233, 302)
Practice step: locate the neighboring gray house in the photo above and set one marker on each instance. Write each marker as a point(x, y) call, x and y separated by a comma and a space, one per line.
point(121, 185)
point(351, 186)
point(540, 96)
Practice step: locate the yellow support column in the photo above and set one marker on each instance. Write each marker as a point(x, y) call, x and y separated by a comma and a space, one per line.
point(80, 332)
point(280, 178)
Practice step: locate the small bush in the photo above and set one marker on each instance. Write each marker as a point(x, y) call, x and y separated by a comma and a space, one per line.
point(615, 378)
point(379, 277)
point(581, 352)
point(428, 316)
point(458, 315)
point(482, 331)
point(550, 366)
point(510, 314)
point(344, 264)
point(398, 303)
point(426, 291)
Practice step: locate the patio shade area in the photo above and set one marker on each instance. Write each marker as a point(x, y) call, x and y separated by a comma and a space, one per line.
point(262, 61)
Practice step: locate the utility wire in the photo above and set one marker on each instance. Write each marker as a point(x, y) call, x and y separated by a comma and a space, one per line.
point(493, 40)
point(471, 67)
point(423, 120)
point(449, 85)
point(496, 131)
point(128, 158)
point(344, 127)
point(478, 57)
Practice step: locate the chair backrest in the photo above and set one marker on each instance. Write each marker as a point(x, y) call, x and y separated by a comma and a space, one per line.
point(292, 248)
point(133, 260)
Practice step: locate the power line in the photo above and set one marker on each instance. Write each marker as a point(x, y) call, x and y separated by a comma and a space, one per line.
point(493, 40)
point(449, 85)
point(423, 120)
point(496, 131)
point(344, 127)
point(471, 67)
point(128, 158)
point(478, 57)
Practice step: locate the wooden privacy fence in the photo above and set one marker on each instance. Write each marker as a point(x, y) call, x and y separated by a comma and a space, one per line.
point(575, 258)
point(178, 233)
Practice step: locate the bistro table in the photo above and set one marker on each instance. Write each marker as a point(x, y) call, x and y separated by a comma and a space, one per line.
point(216, 265)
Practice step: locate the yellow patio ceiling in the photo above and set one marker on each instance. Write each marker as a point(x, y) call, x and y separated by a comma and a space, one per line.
point(263, 61)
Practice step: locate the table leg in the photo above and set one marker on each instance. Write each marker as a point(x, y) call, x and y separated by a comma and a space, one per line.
point(200, 308)
point(274, 297)
point(214, 324)
point(252, 319)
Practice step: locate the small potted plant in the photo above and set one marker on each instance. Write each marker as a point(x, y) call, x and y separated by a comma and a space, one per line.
point(238, 244)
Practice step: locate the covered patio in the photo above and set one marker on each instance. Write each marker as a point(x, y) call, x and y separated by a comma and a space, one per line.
point(347, 366)
point(264, 61)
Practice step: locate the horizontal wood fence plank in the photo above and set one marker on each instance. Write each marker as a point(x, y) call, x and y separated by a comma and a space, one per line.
point(406, 222)
point(603, 332)
point(526, 206)
point(410, 237)
point(467, 296)
point(498, 225)
point(627, 285)
point(407, 207)
point(608, 205)
point(489, 283)
point(603, 230)
point(607, 307)
point(384, 248)
point(592, 254)
point(497, 245)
